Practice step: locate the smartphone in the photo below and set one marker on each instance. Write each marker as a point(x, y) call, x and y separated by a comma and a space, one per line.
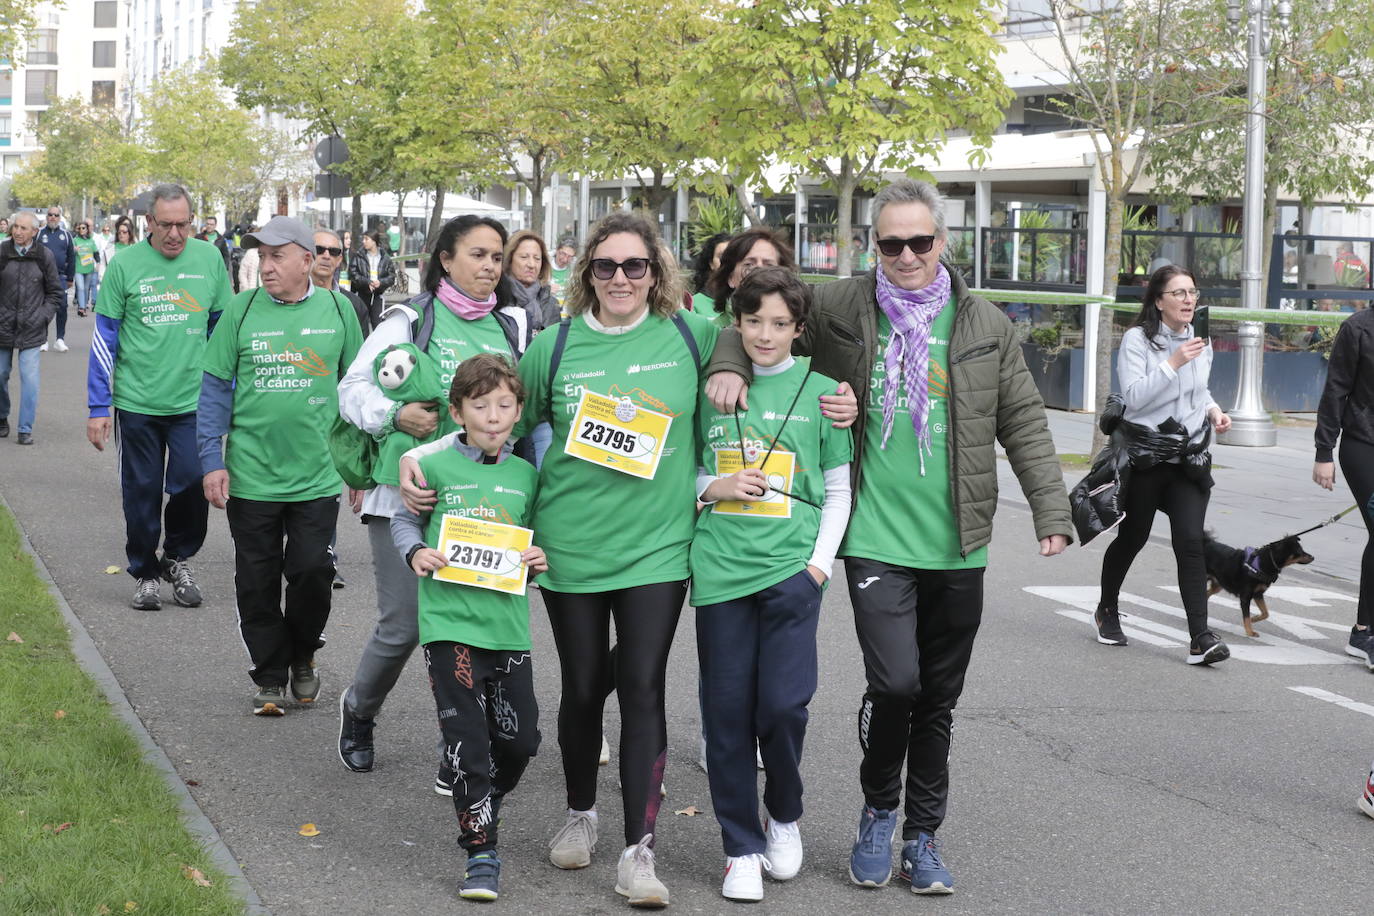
point(1201, 323)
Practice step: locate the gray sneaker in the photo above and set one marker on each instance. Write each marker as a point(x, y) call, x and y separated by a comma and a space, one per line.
point(269, 701)
point(635, 878)
point(147, 596)
point(305, 681)
point(184, 589)
point(572, 845)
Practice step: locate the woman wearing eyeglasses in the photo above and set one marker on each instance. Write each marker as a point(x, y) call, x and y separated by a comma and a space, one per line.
point(618, 380)
point(1163, 369)
point(944, 381)
point(87, 259)
point(745, 253)
point(457, 316)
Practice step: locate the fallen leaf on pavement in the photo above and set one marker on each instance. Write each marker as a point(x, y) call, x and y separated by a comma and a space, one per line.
point(689, 811)
point(13, 637)
point(196, 875)
point(192, 782)
point(60, 714)
point(111, 570)
point(309, 830)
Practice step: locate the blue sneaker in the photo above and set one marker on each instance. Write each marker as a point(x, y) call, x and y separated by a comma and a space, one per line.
point(921, 865)
point(482, 877)
point(870, 862)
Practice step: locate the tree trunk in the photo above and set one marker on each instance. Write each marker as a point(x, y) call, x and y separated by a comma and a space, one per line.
point(355, 222)
point(401, 221)
point(747, 205)
point(844, 217)
point(1106, 322)
point(436, 219)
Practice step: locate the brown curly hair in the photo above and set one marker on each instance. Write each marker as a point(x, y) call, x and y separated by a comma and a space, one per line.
point(665, 296)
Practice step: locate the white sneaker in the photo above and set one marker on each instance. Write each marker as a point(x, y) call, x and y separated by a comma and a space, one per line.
point(783, 858)
point(635, 878)
point(61, 346)
point(44, 348)
point(572, 845)
point(743, 877)
point(605, 757)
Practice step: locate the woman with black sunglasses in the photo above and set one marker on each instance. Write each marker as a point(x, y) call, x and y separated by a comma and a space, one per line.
point(619, 382)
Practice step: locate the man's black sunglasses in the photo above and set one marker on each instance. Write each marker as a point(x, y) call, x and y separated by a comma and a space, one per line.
point(329, 249)
point(919, 244)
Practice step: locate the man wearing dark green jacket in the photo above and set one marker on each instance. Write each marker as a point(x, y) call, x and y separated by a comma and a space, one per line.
point(942, 377)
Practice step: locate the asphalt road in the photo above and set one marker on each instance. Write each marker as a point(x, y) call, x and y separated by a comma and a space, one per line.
point(1086, 779)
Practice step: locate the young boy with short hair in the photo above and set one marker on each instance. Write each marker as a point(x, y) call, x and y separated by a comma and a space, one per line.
point(474, 620)
point(775, 481)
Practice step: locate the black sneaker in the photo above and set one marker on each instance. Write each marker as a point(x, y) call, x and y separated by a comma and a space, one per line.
point(25, 438)
point(305, 681)
point(185, 592)
point(1208, 650)
point(147, 596)
point(4, 428)
point(1108, 621)
point(443, 781)
point(338, 580)
point(355, 738)
point(1361, 646)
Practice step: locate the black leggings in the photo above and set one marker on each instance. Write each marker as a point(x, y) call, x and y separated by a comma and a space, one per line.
point(645, 620)
point(1357, 463)
point(1163, 487)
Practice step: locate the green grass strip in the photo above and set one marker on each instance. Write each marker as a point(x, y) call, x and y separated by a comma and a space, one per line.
point(87, 826)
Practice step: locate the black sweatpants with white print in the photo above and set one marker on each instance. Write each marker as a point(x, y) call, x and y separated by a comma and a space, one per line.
point(490, 725)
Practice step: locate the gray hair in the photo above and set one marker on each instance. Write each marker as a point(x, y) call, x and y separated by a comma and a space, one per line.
point(327, 231)
point(33, 218)
point(910, 191)
point(169, 191)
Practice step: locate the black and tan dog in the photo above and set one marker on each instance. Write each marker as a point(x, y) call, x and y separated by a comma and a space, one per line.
point(1248, 572)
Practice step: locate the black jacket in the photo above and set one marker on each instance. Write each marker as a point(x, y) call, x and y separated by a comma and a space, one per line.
point(1347, 404)
point(30, 292)
point(360, 276)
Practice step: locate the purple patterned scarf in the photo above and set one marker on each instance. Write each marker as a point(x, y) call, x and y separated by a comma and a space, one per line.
point(911, 312)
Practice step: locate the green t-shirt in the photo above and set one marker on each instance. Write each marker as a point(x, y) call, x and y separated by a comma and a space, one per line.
point(901, 517)
point(558, 281)
point(85, 253)
point(737, 549)
point(505, 493)
point(603, 529)
point(393, 240)
point(285, 361)
point(164, 309)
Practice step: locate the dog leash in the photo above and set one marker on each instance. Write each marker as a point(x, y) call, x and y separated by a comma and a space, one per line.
point(1335, 518)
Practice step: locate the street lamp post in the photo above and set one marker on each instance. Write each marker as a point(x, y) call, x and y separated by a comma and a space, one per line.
point(1250, 422)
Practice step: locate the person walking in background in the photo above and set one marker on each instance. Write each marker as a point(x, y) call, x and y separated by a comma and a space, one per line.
point(371, 274)
point(157, 307)
point(563, 257)
point(1163, 368)
point(125, 236)
point(4, 228)
point(87, 268)
point(1346, 413)
point(30, 292)
point(270, 388)
point(59, 242)
point(745, 252)
point(707, 262)
point(527, 266)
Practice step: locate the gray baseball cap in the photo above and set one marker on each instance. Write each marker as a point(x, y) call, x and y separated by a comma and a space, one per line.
point(282, 230)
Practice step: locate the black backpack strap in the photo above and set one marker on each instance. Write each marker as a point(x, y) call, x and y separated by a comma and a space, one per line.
point(691, 341)
point(559, 343)
point(244, 317)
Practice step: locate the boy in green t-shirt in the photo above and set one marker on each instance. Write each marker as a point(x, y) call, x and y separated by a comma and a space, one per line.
point(775, 481)
point(477, 636)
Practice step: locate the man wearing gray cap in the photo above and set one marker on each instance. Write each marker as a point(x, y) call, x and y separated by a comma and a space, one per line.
point(271, 386)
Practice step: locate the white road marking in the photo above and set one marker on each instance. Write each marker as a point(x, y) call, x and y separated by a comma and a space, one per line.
point(1297, 627)
point(1318, 694)
point(1267, 649)
point(1131, 630)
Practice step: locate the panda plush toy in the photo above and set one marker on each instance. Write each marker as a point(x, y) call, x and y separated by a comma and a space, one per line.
point(405, 374)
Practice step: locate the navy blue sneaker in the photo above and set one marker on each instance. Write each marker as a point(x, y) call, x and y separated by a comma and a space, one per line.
point(1361, 646)
point(482, 877)
point(870, 862)
point(922, 866)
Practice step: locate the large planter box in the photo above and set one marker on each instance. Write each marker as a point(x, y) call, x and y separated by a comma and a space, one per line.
point(1060, 380)
point(1293, 381)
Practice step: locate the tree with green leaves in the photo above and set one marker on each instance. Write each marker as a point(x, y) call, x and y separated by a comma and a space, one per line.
point(86, 153)
point(1320, 124)
point(16, 22)
point(847, 89)
point(1115, 71)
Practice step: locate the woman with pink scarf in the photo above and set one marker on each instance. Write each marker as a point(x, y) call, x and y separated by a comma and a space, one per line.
point(458, 315)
